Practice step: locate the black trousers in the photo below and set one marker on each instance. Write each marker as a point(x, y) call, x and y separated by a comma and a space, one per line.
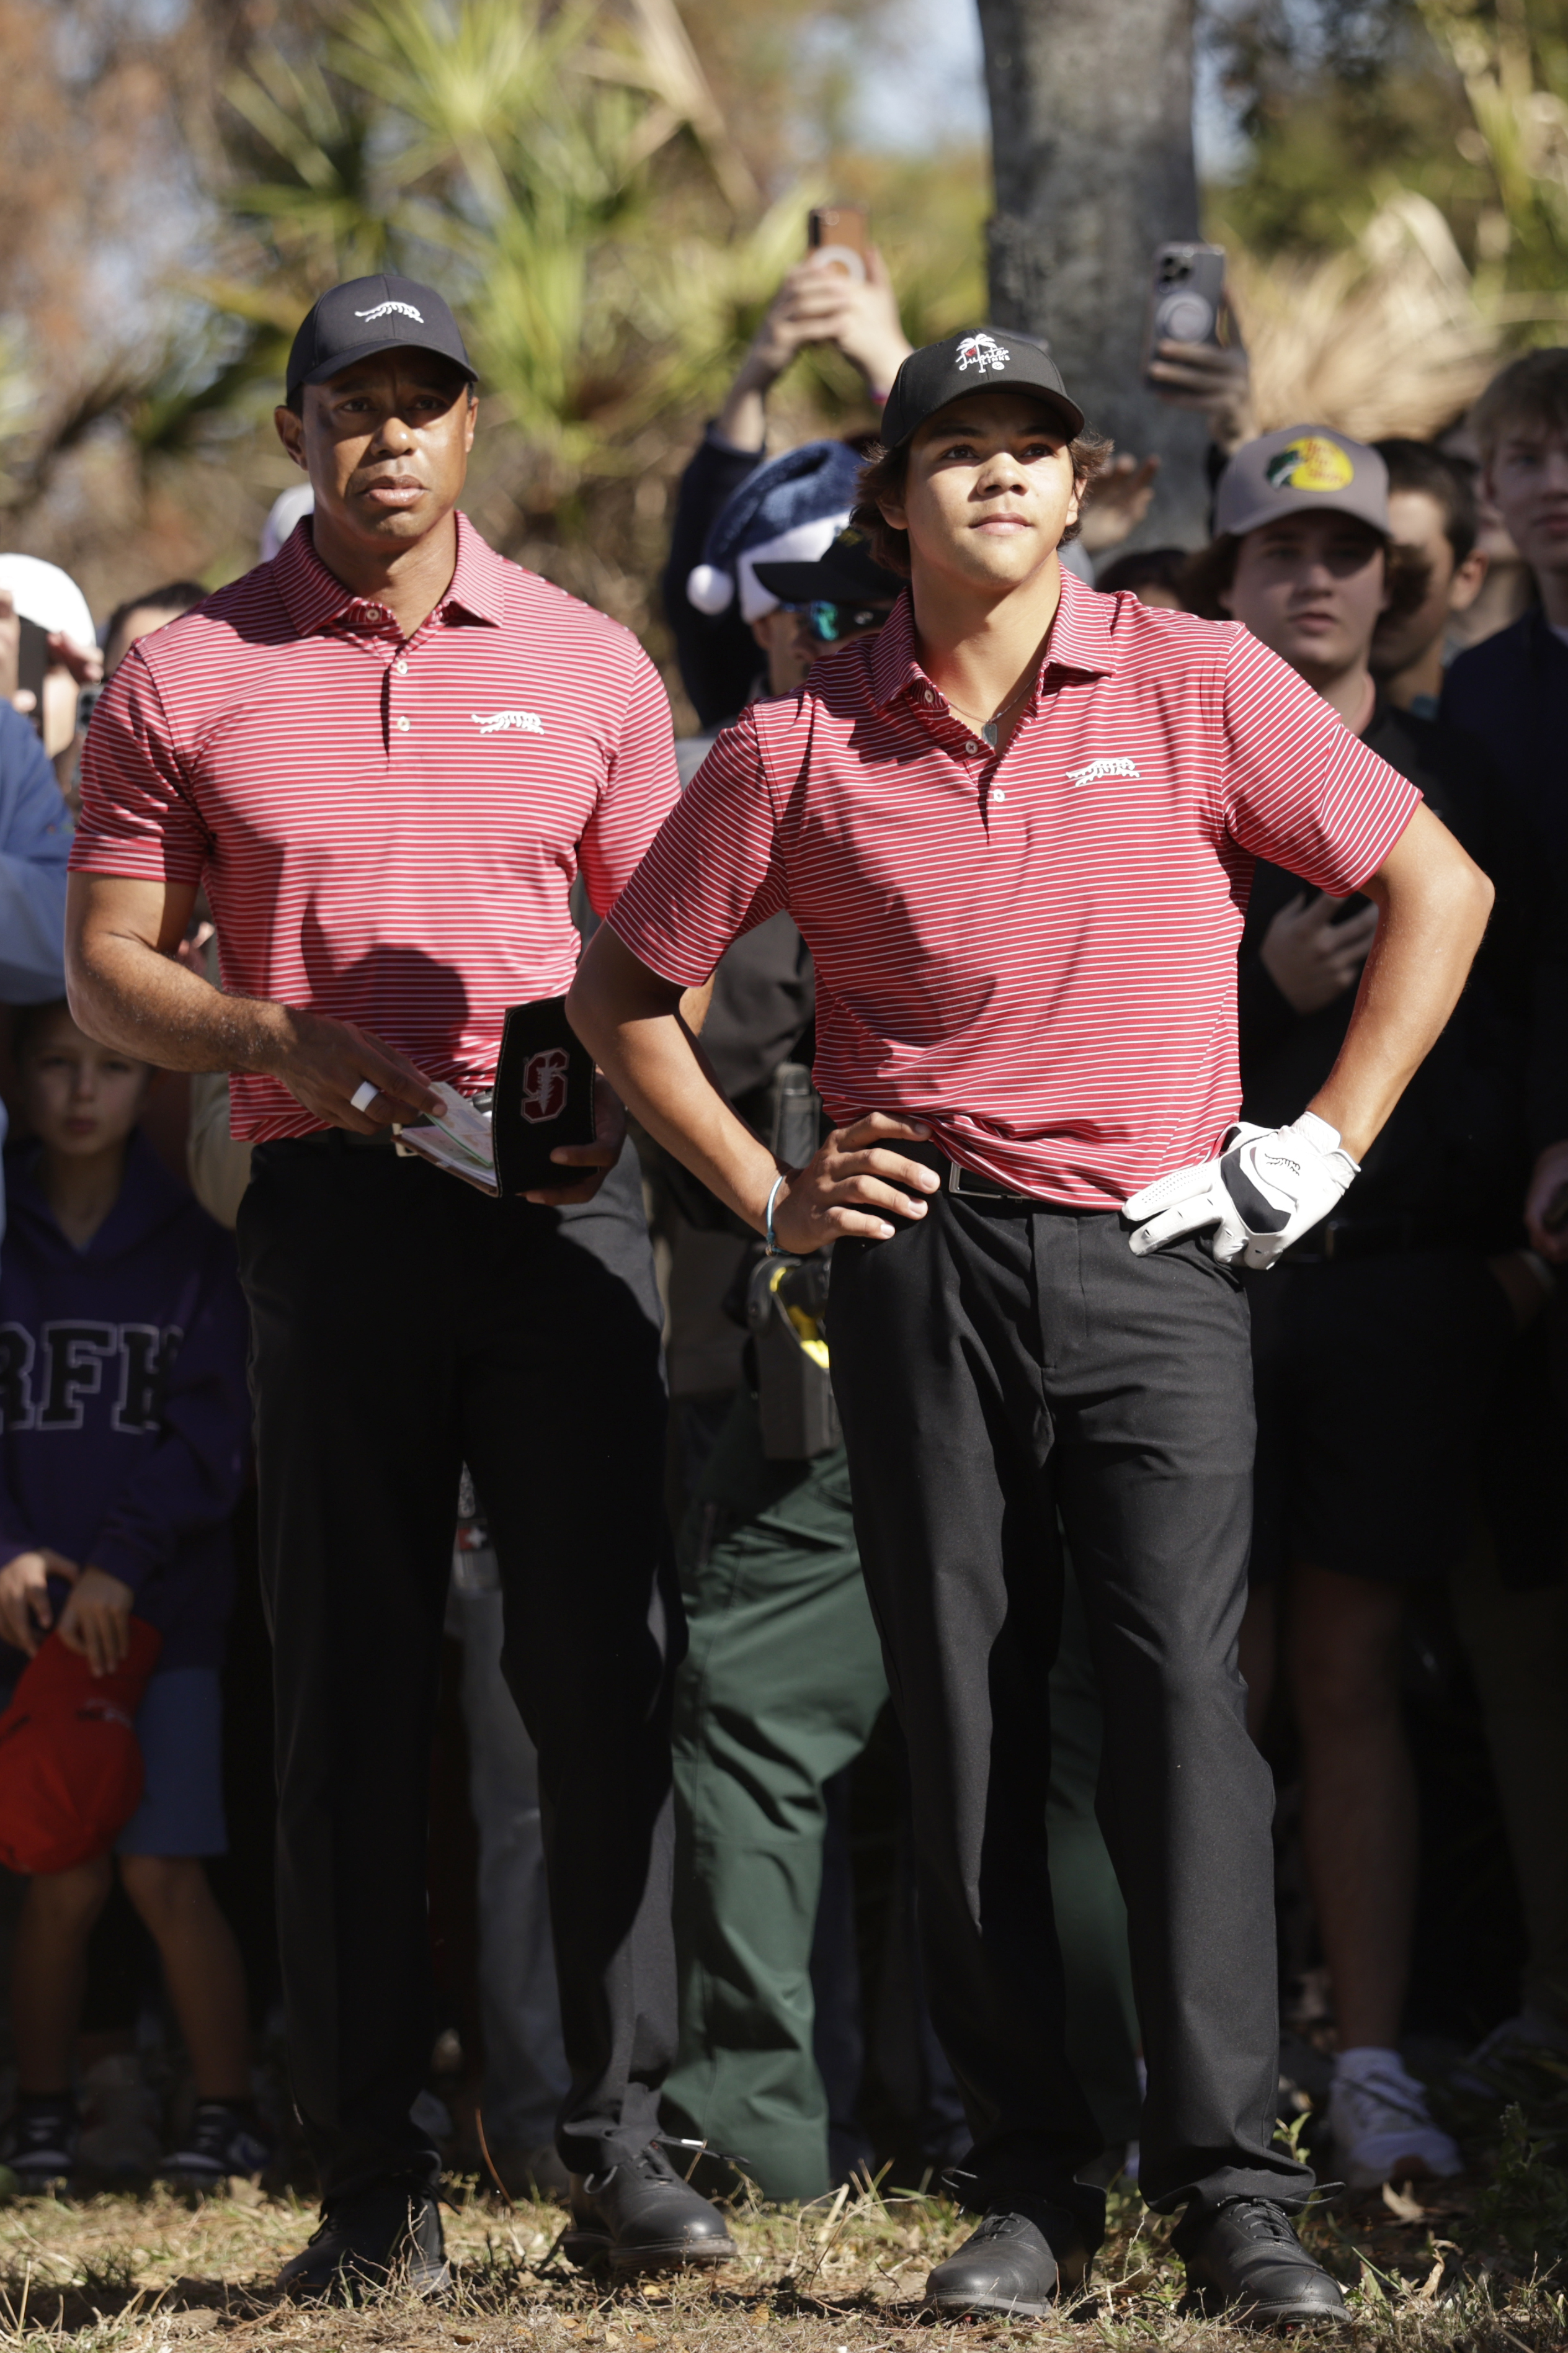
point(404, 1323)
point(994, 1366)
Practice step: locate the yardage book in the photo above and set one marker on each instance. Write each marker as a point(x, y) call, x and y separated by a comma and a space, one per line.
point(542, 1097)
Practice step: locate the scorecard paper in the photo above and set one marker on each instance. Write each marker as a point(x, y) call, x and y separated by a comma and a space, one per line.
point(543, 1098)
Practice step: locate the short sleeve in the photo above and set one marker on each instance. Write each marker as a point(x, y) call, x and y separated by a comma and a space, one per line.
point(1300, 790)
point(137, 815)
point(713, 871)
point(642, 788)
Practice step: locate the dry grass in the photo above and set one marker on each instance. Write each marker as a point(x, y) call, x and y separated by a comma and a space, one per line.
point(148, 2273)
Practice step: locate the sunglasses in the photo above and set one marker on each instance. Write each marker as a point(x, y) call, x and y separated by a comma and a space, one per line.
point(827, 623)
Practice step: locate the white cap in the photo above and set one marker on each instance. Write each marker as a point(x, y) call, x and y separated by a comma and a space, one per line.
point(47, 596)
point(288, 507)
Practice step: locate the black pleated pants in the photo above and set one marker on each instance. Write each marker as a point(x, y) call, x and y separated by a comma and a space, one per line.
point(994, 1366)
point(404, 1323)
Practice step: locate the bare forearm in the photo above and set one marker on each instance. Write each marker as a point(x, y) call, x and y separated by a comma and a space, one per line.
point(1425, 943)
point(636, 1031)
point(128, 995)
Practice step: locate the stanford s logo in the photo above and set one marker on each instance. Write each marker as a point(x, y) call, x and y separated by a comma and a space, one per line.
point(544, 1084)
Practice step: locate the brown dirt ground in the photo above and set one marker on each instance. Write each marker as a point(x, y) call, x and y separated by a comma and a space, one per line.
point(148, 2273)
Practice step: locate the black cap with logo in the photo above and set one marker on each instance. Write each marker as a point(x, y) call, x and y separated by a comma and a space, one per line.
point(848, 573)
point(983, 359)
point(367, 315)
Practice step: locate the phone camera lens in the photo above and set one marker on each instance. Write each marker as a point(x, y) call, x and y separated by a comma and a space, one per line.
point(1187, 319)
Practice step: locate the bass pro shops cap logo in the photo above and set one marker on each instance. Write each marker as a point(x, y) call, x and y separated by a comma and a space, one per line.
point(980, 351)
point(544, 1084)
point(1313, 463)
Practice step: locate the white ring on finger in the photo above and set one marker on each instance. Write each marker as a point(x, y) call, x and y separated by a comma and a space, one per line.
point(363, 1095)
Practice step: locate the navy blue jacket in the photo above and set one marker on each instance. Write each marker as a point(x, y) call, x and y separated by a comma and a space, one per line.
point(717, 655)
point(1512, 691)
point(124, 1418)
point(1455, 1152)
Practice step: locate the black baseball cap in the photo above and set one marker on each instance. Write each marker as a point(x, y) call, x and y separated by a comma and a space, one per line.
point(848, 574)
point(366, 315)
point(981, 359)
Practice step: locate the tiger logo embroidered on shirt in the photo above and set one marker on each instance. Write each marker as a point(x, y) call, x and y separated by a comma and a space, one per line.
point(1097, 768)
point(494, 723)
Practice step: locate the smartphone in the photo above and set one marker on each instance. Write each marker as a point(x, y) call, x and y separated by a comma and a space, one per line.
point(543, 1097)
point(837, 236)
point(33, 667)
point(1186, 298)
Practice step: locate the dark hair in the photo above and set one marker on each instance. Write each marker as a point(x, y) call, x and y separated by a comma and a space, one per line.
point(885, 473)
point(178, 596)
point(1533, 391)
point(26, 1021)
point(1205, 576)
point(1448, 482)
point(1146, 567)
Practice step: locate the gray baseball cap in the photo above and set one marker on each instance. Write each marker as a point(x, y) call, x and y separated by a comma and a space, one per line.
point(1301, 470)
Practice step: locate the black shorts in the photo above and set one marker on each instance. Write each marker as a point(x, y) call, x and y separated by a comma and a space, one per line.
point(1372, 1381)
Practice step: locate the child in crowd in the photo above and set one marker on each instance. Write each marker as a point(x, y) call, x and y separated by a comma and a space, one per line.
point(123, 1428)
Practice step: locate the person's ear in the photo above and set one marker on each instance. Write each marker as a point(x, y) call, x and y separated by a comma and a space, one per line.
point(291, 433)
point(471, 423)
point(1469, 580)
point(762, 634)
point(1075, 503)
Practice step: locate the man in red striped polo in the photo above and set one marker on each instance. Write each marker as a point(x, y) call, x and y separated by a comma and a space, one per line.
point(386, 755)
point(1017, 830)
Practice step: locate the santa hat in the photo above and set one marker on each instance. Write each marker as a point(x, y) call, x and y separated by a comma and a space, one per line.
point(787, 512)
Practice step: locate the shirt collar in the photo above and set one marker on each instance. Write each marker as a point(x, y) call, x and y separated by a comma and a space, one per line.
point(313, 596)
point(1079, 645)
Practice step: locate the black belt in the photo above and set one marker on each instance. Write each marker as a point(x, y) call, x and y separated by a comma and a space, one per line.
point(1338, 1241)
point(971, 1185)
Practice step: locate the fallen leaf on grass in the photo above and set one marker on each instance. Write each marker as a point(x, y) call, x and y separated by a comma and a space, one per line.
point(1402, 2206)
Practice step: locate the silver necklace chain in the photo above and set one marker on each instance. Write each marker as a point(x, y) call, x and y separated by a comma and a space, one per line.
point(988, 729)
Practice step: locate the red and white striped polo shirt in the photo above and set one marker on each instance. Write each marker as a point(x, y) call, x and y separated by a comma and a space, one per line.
point(388, 829)
point(1034, 951)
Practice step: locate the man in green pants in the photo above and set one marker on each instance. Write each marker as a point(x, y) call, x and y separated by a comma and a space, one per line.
point(781, 1688)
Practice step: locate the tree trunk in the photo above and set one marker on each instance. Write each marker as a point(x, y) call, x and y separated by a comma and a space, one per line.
point(1091, 123)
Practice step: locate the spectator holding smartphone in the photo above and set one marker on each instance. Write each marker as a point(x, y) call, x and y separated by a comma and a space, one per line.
point(124, 1424)
point(722, 653)
point(1378, 1338)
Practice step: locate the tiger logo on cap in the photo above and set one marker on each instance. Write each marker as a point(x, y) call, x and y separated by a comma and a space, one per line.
point(1313, 463)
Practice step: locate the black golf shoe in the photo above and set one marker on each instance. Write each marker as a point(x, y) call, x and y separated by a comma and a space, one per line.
point(638, 2215)
point(388, 2235)
point(1247, 2263)
point(1024, 2256)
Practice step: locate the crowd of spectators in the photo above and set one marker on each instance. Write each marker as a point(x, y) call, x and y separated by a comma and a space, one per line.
point(1409, 1600)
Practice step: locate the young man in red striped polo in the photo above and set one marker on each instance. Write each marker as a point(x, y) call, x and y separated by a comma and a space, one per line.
point(1017, 830)
point(386, 754)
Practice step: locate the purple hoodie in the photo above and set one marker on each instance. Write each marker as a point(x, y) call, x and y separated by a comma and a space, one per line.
point(124, 1419)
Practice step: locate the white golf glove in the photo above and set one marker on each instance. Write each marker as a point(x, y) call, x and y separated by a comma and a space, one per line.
point(1268, 1187)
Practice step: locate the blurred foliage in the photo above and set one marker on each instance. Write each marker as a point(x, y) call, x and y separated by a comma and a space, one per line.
point(1344, 106)
point(1511, 57)
point(609, 190)
point(1340, 106)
